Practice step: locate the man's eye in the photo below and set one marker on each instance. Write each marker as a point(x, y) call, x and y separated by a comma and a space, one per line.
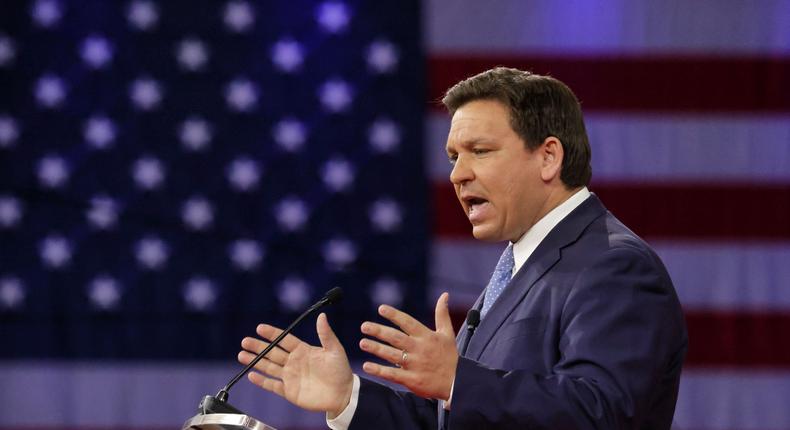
point(452, 159)
point(480, 151)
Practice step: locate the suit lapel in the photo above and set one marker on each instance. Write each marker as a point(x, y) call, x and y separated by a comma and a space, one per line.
point(545, 256)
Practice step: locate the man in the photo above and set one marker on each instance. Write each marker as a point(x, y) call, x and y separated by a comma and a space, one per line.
point(581, 327)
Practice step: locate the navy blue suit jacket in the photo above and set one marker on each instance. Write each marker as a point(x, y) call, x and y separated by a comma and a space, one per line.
point(589, 334)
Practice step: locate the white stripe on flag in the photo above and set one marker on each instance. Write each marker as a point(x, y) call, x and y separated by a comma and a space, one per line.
point(622, 26)
point(718, 276)
point(733, 400)
point(729, 276)
point(58, 396)
point(100, 394)
point(710, 148)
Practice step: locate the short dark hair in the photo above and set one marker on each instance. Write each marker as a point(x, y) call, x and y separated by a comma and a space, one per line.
point(540, 106)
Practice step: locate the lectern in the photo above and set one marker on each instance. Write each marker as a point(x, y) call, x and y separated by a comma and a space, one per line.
point(214, 414)
point(224, 422)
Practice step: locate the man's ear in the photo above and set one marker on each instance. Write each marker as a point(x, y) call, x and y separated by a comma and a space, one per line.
point(551, 154)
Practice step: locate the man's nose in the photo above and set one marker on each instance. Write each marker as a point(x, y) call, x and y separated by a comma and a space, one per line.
point(461, 172)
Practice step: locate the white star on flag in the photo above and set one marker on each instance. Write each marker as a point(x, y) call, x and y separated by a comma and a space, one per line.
point(382, 56)
point(384, 135)
point(7, 51)
point(11, 211)
point(387, 291)
point(46, 13)
point(241, 95)
point(197, 213)
point(333, 16)
point(12, 293)
point(339, 253)
point(195, 134)
point(50, 91)
point(148, 173)
point(55, 251)
point(142, 15)
point(9, 131)
point(291, 213)
point(151, 253)
point(336, 95)
point(96, 52)
point(243, 174)
point(385, 215)
point(287, 55)
point(52, 172)
point(246, 254)
point(99, 132)
point(293, 294)
point(337, 174)
point(192, 54)
point(102, 213)
point(199, 294)
point(104, 292)
point(290, 134)
point(238, 16)
point(146, 93)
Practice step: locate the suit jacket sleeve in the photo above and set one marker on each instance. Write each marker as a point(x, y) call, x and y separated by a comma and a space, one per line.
point(384, 408)
point(621, 340)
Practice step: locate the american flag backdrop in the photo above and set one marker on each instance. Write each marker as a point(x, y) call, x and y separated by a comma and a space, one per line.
point(173, 172)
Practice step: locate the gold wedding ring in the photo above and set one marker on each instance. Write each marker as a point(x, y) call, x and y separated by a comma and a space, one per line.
point(403, 357)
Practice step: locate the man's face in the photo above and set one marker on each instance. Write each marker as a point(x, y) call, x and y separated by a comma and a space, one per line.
point(496, 178)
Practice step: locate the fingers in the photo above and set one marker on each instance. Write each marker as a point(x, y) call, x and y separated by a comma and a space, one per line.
point(325, 334)
point(406, 322)
point(268, 384)
point(255, 346)
point(442, 315)
point(266, 331)
point(392, 374)
point(388, 334)
point(265, 366)
point(385, 352)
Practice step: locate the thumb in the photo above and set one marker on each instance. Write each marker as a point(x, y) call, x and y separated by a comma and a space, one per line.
point(325, 333)
point(443, 322)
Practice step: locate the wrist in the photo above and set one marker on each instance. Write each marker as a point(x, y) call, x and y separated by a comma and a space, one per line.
point(345, 399)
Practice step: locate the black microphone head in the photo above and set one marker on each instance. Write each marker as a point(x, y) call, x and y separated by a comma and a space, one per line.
point(333, 296)
point(472, 318)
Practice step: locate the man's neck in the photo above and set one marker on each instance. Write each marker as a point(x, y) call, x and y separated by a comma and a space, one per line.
point(528, 242)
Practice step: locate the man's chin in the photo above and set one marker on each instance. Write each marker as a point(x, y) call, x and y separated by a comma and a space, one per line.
point(480, 232)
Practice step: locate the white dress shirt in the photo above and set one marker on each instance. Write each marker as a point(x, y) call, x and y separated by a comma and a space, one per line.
point(522, 250)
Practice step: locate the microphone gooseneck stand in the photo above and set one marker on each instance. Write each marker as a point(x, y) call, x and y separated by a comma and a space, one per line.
point(215, 413)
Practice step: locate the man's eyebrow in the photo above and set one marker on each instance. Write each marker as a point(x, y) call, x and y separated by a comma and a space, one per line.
point(472, 142)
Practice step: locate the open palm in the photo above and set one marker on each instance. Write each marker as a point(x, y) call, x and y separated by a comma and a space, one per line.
point(316, 378)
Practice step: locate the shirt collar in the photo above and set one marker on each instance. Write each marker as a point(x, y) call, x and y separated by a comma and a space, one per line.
point(527, 244)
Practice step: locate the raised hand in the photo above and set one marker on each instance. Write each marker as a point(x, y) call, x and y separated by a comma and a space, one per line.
point(313, 378)
point(427, 367)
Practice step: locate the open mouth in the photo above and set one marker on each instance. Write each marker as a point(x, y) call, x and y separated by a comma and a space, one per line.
point(472, 201)
point(474, 206)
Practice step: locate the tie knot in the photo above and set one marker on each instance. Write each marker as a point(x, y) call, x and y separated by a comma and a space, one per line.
point(504, 267)
point(507, 257)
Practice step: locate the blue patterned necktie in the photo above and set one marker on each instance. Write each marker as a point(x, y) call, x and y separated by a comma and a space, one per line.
point(499, 280)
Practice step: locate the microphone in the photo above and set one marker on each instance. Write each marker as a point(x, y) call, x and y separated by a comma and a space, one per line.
point(218, 404)
point(472, 321)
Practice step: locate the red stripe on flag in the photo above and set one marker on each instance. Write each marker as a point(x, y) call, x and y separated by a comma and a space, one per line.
point(726, 339)
point(658, 211)
point(738, 339)
point(643, 83)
